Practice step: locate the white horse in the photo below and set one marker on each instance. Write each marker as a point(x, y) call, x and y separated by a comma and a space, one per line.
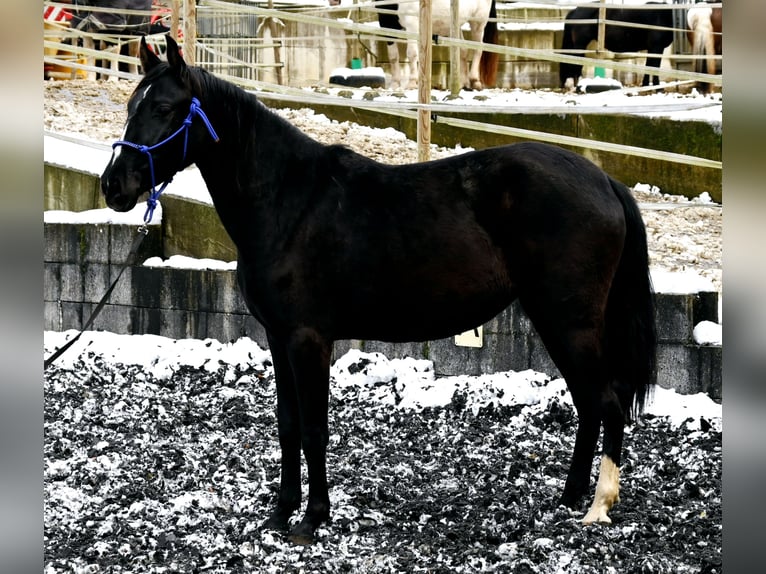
point(480, 16)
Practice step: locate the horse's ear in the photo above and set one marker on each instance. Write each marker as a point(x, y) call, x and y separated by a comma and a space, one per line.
point(175, 59)
point(148, 58)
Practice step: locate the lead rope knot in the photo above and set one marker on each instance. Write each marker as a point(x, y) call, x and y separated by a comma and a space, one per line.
point(194, 110)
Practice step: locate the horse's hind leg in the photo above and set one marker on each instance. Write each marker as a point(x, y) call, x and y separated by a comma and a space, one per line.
point(474, 76)
point(396, 71)
point(573, 335)
point(613, 408)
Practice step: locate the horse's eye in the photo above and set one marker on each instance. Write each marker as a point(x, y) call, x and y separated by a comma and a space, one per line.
point(164, 109)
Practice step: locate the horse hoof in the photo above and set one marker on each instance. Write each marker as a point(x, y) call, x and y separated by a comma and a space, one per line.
point(276, 522)
point(302, 535)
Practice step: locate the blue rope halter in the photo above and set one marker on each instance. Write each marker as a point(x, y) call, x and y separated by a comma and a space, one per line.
point(194, 110)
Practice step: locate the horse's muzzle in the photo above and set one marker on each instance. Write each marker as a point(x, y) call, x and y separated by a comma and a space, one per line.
point(118, 195)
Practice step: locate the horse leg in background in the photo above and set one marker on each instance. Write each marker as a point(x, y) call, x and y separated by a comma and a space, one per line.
point(114, 62)
point(412, 62)
point(652, 62)
point(308, 356)
point(396, 70)
point(473, 79)
point(569, 74)
point(89, 44)
point(133, 47)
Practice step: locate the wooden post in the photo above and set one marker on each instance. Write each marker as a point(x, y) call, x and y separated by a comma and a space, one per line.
point(274, 32)
point(175, 18)
point(190, 32)
point(601, 29)
point(424, 81)
point(455, 65)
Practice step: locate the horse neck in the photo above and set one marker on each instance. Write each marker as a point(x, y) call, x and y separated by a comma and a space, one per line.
point(256, 153)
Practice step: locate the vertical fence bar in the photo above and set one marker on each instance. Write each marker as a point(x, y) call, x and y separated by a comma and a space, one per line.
point(175, 18)
point(424, 81)
point(190, 32)
point(455, 65)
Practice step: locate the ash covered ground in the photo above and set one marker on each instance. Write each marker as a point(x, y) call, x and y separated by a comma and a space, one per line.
point(171, 467)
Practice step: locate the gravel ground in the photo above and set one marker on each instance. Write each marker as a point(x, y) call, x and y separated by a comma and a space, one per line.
point(172, 467)
point(683, 235)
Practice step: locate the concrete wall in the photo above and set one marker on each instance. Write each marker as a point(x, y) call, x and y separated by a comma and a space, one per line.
point(81, 260)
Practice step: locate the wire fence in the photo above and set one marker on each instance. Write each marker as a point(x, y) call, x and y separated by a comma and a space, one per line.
point(233, 35)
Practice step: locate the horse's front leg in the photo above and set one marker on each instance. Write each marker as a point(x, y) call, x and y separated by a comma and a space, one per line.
point(309, 356)
point(652, 79)
point(288, 421)
point(588, 427)
point(412, 58)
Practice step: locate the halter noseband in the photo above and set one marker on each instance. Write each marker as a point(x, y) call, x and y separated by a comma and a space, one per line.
point(194, 110)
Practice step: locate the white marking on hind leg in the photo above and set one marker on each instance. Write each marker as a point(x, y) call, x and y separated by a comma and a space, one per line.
point(607, 492)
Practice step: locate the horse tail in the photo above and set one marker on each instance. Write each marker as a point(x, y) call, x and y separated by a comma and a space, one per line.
point(700, 20)
point(631, 335)
point(703, 45)
point(489, 60)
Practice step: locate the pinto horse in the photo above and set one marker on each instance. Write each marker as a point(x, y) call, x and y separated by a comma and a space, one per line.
point(333, 245)
point(625, 37)
point(479, 14)
point(705, 25)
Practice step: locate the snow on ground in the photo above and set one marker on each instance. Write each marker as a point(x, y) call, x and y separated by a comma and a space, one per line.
point(161, 455)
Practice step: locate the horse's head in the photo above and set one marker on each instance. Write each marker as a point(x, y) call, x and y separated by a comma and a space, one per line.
point(160, 137)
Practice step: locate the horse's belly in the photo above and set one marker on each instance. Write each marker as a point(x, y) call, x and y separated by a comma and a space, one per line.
point(422, 314)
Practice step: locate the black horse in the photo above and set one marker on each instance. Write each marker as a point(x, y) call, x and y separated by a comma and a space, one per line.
point(333, 245)
point(618, 37)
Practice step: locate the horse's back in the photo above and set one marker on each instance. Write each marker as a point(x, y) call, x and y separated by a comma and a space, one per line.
point(489, 210)
point(409, 14)
point(622, 38)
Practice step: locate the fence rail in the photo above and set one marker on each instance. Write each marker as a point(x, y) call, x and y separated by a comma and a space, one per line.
point(236, 58)
point(220, 19)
